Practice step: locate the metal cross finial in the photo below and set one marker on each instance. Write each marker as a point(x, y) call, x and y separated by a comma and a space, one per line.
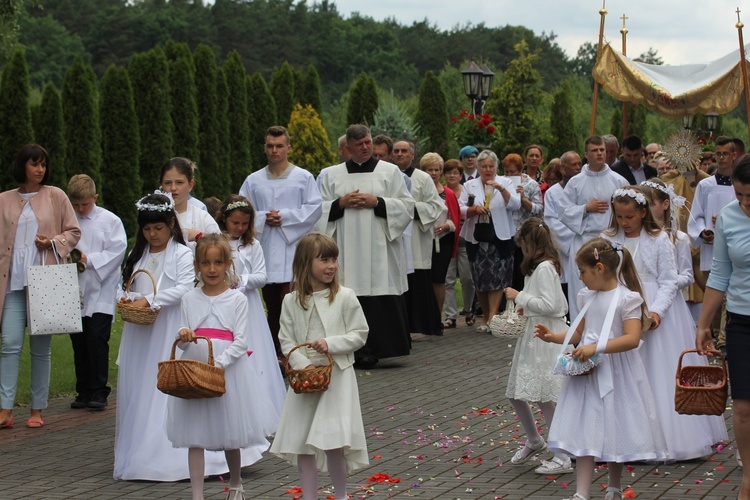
point(624, 17)
point(739, 23)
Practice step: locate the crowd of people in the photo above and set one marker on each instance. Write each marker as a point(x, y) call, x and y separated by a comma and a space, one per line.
point(612, 261)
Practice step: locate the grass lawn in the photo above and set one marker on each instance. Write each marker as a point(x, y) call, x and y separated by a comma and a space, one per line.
point(63, 377)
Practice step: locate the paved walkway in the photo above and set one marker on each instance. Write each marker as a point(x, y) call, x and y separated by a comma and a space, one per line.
point(438, 425)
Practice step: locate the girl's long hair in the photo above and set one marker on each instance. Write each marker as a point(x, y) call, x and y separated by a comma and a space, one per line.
point(224, 212)
point(309, 247)
point(538, 245)
point(649, 224)
point(213, 240)
point(601, 250)
point(656, 195)
point(167, 217)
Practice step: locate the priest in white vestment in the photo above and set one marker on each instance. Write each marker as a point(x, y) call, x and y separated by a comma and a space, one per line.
point(366, 208)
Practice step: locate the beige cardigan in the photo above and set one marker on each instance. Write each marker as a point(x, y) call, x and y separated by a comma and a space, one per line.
point(56, 219)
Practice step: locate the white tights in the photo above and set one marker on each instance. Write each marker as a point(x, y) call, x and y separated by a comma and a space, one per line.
point(585, 473)
point(197, 467)
point(526, 417)
point(308, 474)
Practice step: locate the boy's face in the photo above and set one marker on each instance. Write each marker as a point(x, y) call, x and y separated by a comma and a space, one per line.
point(83, 206)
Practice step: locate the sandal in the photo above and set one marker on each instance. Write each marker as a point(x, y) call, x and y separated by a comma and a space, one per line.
point(35, 423)
point(449, 323)
point(577, 496)
point(470, 319)
point(483, 329)
point(737, 455)
point(528, 451)
point(613, 494)
point(7, 424)
point(555, 466)
point(235, 494)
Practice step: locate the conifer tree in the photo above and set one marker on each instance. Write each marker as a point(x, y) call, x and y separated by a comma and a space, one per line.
point(432, 114)
point(222, 119)
point(261, 110)
point(15, 125)
point(299, 86)
point(122, 184)
point(81, 116)
point(282, 89)
point(562, 123)
point(312, 149)
point(363, 101)
point(49, 132)
point(149, 76)
point(239, 134)
point(184, 112)
point(215, 177)
point(311, 90)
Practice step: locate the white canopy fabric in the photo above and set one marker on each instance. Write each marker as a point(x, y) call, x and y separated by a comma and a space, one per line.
point(673, 91)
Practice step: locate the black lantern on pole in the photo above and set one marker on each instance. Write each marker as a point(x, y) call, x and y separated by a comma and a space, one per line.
point(487, 77)
point(712, 121)
point(477, 83)
point(687, 122)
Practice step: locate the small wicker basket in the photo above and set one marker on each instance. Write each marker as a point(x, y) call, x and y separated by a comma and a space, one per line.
point(134, 314)
point(309, 380)
point(701, 389)
point(508, 324)
point(190, 378)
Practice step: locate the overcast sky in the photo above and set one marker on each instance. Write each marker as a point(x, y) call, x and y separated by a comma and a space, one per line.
point(682, 31)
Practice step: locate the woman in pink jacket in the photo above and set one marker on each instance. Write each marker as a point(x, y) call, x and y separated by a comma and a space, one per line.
point(32, 217)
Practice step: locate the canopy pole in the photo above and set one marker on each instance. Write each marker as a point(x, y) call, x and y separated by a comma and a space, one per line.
point(743, 62)
point(603, 14)
point(624, 32)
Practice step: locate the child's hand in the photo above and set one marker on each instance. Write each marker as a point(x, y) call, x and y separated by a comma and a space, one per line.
point(188, 335)
point(657, 320)
point(542, 332)
point(584, 352)
point(511, 293)
point(320, 345)
point(141, 303)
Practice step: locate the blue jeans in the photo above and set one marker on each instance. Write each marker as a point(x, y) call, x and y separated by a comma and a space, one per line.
point(12, 335)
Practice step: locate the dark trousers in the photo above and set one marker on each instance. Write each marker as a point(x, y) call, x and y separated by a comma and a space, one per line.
point(91, 355)
point(273, 296)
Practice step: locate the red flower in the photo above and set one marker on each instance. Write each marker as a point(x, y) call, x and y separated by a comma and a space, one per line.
point(480, 124)
point(464, 113)
point(472, 117)
point(454, 119)
point(379, 477)
point(491, 130)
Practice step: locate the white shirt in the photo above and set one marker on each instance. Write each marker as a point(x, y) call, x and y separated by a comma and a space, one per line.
point(428, 205)
point(561, 233)
point(195, 218)
point(708, 201)
point(502, 213)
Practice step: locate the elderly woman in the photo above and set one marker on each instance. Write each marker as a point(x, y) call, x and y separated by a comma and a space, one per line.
point(487, 203)
point(730, 274)
point(33, 217)
point(531, 206)
point(533, 158)
point(453, 174)
point(446, 228)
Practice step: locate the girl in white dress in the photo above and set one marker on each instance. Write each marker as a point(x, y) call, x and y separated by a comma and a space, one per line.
point(236, 218)
point(531, 378)
point(232, 421)
point(178, 178)
point(322, 430)
point(607, 415)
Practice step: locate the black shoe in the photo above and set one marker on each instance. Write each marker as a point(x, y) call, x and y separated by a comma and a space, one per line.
point(81, 401)
point(365, 362)
point(98, 402)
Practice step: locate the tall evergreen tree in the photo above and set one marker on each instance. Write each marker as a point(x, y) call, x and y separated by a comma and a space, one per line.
point(225, 146)
point(312, 149)
point(82, 136)
point(122, 184)
point(562, 123)
point(49, 131)
point(299, 86)
point(215, 177)
point(184, 111)
point(239, 134)
point(149, 76)
point(261, 110)
point(282, 89)
point(432, 114)
point(311, 90)
point(513, 104)
point(15, 126)
point(363, 100)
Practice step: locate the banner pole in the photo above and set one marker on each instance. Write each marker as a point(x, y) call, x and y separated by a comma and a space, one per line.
point(624, 32)
point(743, 63)
point(603, 14)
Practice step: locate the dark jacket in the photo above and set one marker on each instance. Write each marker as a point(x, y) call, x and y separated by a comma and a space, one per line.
point(622, 168)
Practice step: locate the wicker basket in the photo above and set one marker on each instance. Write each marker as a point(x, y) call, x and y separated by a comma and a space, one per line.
point(509, 324)
point(701, 389)
point(190, 378)
point(134, 314)
point(309, 380)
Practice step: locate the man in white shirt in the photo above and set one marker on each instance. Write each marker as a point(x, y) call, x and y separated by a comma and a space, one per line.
point(287, 205)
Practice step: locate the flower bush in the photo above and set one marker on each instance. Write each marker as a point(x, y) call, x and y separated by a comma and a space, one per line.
point(475, 130)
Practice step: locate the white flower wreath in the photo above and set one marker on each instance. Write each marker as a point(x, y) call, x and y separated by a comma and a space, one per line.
point(638, 197)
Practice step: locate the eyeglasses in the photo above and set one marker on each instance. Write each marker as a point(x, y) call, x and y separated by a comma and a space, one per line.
point(721, 154)
point(651, 153)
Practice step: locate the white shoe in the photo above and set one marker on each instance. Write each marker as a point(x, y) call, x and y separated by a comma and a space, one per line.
point(739, 458)
point(555, 466)
point(577, 496)
point(528, 451)
point(613, 494)
point(235, 494)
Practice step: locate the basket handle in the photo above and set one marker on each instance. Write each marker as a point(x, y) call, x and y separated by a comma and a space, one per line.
point(306, 344)
point(210, 349)
point(153, 282)
point(715, 352)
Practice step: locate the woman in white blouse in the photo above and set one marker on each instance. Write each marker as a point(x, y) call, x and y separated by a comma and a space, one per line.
point(489, 200)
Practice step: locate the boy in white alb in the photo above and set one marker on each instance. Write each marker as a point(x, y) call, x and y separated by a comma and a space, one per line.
point(102, 246)
point(287, 205)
